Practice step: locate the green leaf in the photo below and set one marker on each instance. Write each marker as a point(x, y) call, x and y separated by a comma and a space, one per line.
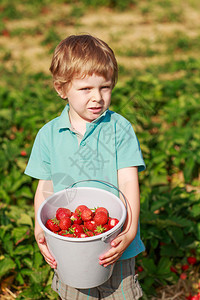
point(149, 265)
point(19, 234)
point(6, 114)
point(7, 244)
point(26, 272)
point(198, 231)
point(24, 219)
point(34, 291)
point(176, 234)
point(4, 229)
point(195, 211)
point(18, 183)
point(21, 163)
point(19, 278)
point(28, 262)
point(158, 204)
point(154, 243)
point(14, 212)
point(164, 265)
point(23, 249)
point(3, 194)
point(148, 282)
point(24, 192)
point(188, 169)
point(6, 265)
point(38, 260)
point(171, 251)
point(40, 274)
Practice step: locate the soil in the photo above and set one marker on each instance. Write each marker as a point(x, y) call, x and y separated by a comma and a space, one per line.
point(135, 30)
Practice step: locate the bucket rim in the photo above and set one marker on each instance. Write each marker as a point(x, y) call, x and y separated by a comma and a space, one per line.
point(103, 236)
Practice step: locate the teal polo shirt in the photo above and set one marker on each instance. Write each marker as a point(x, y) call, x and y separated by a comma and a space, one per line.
point(108, 145)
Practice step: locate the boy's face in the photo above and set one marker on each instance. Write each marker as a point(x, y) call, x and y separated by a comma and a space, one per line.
point(88, 97)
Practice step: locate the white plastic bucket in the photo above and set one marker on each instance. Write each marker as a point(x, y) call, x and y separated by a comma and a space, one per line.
point(78, 258)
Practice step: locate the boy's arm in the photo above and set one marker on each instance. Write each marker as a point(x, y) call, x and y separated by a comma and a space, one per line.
point(44, 190)
point(129, 186)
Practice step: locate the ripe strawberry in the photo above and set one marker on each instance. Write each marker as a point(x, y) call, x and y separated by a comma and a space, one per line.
point(76, 219)
point(5, 33)
point(86, 214)
point(62, 213)
point(183, 276)
point(140, 269)
point(192, 260)
point(100, 218)
point(162, 244)
point(65, 233)
point(195, 297)
point(106, 227)
point(82, 235)
point(53, 224)
point(112, 222)
point(80, 208)
point(173, 269)
point(70, 235)
point(90, 225)
point(23, 153)
point(99, 229)
point(84, 228)
point(62, 232)
point(75, 229)
point(89, 233)
point(98, 209)
point(65, 223)
point(185, 267)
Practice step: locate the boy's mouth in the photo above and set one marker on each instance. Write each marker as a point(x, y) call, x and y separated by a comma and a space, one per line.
point(95, 109)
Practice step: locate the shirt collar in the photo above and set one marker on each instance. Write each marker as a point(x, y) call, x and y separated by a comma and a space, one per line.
point(64, 122)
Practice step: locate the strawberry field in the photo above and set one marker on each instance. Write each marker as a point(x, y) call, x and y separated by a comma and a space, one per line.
point(157, 47)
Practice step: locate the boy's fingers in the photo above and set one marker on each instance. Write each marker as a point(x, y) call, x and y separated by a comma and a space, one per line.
point(109, 260)
point(112, 253)
point(116, 241)
point(41, 240)
point(47, 255)
point(45, 251)
point(52, 264)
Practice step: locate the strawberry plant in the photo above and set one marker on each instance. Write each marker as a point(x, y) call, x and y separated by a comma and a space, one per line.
point(19, 254)
point(161, 101)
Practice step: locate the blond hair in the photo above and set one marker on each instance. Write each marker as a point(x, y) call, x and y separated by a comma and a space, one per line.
point(81, 55)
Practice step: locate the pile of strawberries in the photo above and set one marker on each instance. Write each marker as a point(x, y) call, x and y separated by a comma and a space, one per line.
point(83, 222)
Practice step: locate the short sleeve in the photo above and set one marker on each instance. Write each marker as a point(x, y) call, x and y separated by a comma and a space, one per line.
point(128, 149)
point(39, 164)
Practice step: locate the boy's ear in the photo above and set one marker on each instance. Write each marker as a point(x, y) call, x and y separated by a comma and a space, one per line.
point(60, 90)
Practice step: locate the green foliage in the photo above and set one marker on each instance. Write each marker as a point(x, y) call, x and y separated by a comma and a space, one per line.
point(165, 115)
point(19, 254)
point(169, 226)
point(118, 4)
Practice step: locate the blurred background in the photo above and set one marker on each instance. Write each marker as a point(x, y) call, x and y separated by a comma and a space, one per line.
point(157, 45)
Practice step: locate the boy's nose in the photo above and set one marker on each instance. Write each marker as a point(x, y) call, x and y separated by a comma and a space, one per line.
point(96, 96)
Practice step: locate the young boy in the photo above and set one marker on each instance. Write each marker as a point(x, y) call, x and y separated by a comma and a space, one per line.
point(88, 141)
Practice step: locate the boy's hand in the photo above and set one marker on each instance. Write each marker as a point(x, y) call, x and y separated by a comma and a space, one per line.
point(119, 245)
point(41, 241)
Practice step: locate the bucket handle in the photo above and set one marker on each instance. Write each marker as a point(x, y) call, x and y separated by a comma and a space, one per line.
point(106, 183)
